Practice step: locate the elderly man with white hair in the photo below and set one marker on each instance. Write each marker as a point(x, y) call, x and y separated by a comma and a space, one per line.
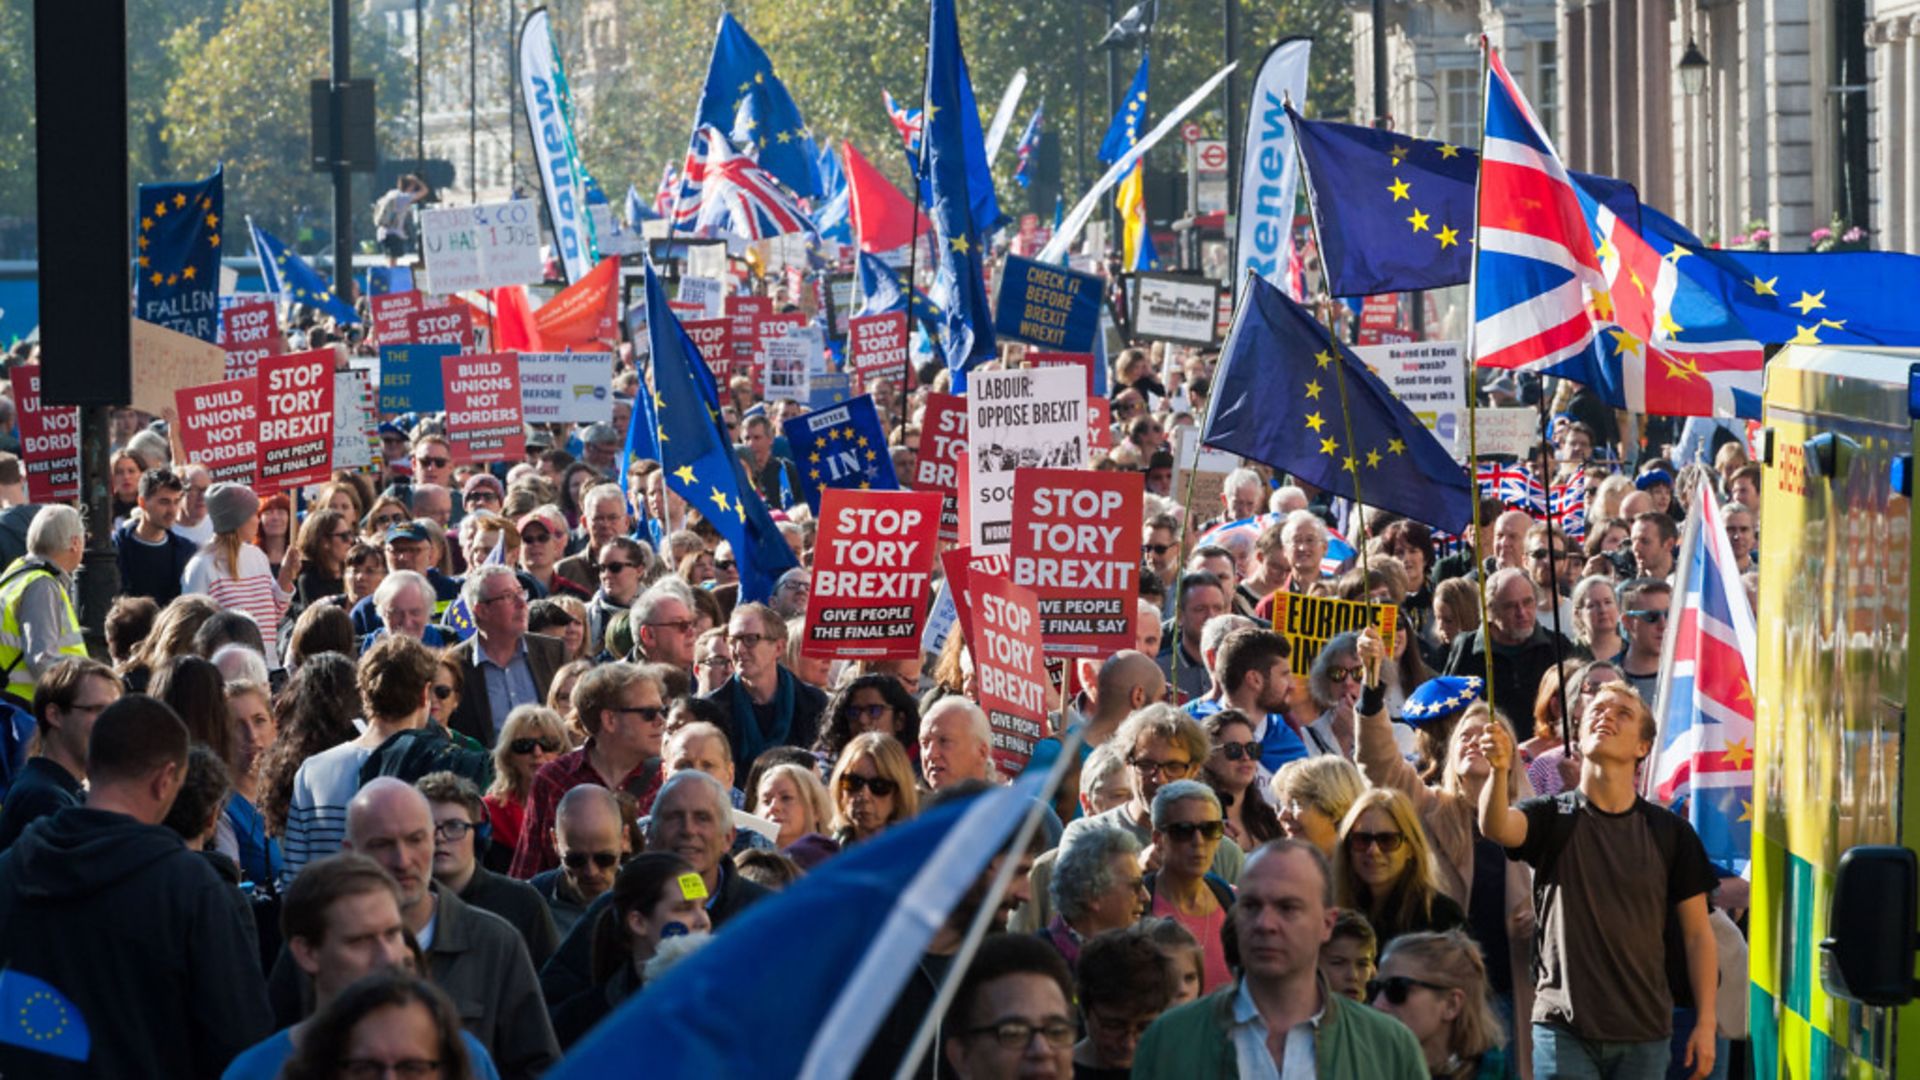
point(603, 516)
point(1096, 885)
point(956, 743)
point(405, 601)
point(1304, 540)
point(38, 623)
point(1522, 649)
point(502, 665)
point(1242, 495)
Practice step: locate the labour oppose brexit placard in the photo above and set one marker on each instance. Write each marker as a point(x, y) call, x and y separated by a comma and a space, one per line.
point(872, 564)
point(1027, 419)
point(483, 407)
point(296, 420)
point(1010, 679)
point(220, 428)
point(1076, 544)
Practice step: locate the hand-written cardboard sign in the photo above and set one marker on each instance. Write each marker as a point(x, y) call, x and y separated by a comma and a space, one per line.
point(249, 333)
point(410, 378)
point(165, 360)
point(49, 441)
point(1031, 418)
point(872, 565)
point(877, 344)
point(296, 420)
point(220, 428)
point(1308, 621)
point(483, 407)
point(451, 325)
point(1076, 544)
point(393, 316)
point(710, 336)
point(1049, 306)
point(1010, 678)
point(943, 442)
point(482, 246)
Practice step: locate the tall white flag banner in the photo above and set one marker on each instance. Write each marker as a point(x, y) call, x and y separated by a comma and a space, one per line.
point(549, 105)
point(1003, 116)
point(1270, 167)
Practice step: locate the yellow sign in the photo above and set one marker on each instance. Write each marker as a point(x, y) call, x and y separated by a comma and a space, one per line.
point(692, 887)
point(1307, 622)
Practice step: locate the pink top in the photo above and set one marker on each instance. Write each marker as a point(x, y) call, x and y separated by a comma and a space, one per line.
point(1214, 972)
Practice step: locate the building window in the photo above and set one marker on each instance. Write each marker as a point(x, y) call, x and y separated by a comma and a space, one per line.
point(1546, 84)
point(1460, 91)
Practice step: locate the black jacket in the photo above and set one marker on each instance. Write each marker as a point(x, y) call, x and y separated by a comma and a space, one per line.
point(519, 904)
point(144, 940)
point(43, 789)
point(1517, 670)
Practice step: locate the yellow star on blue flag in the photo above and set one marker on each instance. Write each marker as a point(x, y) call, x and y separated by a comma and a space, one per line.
point(179, 287)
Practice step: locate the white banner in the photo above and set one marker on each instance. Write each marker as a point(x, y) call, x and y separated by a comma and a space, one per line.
point(1270, 167)
point(1030, 418)
point(1003, 116)
point(544, 88)
point(1512, 432)
point(481, 247)
point(1428, 377)
point(709, 293)
point(356, 440)
point(566, 388)
point(790, 359)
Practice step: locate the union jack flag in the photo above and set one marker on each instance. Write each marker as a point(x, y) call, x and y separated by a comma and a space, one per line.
point(1702, 763)
point(1514, 485)
point(732, 194)
point(1567, 508)
point(1029, 141)
point(663, 195)
point(907, 122)
point(1564, 287)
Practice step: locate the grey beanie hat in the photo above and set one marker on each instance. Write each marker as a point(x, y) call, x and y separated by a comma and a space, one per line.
point(230, 505)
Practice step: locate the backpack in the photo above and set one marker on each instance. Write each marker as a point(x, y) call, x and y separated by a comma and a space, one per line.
point(412, 754)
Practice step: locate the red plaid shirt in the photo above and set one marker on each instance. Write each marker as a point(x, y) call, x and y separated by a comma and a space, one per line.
point(535, 852)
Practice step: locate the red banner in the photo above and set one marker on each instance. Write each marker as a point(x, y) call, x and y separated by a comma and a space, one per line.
point(943, 443)
point(441, 326)
point(1076, 544)
point(1099, 424)
point(49, 441)
point(249, 333)
point(483, 407)
point(1010, 679)
point(296, 420)
point(584, 316)
point(873, 561)
point(877, 344)
point(712, 338)
point(393, 315)
point(220, 428)
point(743, 312)
point(1082, 360)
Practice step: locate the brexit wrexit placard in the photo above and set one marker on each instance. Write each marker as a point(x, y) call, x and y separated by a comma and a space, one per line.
point(841, 447)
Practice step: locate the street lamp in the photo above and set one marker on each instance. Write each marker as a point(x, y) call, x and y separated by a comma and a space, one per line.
point(1693, 70)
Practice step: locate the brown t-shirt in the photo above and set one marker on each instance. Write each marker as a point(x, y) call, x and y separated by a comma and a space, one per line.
point(1605, 886)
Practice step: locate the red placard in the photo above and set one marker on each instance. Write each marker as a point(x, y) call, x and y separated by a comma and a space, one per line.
point(765, 329)
point(1076, 544)
point(1010, 678)
point(249, 333)
point(943, 444)
point(49, 441)
point(220, 428)
point(483, 407)
point(451, 325)
point(871, 568)
point(393, 314)
point(1082, 360)
point(744, 312)
point(877, 344)
point(712, 338)
point(296, 420)
point(1099, 424)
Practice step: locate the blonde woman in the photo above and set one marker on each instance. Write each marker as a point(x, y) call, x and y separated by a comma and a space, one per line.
point(872, 788)
point(531, 737)
point(1383, 868)
point(1436, 984)
point(1313, 795)
point(794, 799)
point(235, 573)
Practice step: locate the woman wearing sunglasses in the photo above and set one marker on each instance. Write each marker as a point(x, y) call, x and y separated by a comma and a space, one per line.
point(1383, 868)
point(1187, 830)
point(872, 788)
point(1334, 687)
point(531, 737)
point(1436, 984)
point(1236, 775)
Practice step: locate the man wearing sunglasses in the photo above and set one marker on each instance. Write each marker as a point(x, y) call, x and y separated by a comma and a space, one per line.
point(624, 710)
point(1644, 603)
point(604, 517)
point(592, 842)
point(663, 627)
point(1160, 546)
point(460, 836)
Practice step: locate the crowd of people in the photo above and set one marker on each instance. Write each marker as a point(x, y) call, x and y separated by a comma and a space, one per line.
point(426, 770)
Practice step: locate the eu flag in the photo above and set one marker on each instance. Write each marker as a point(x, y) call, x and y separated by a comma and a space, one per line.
point(881, 291)
point(832, 213)
point(1277, 400)
point(35, 1015)
point(964, 210)
point(286, 273)
point(698, 458)
point(1130, 195)
point(745, 99)
point(844, 446)
point(178, 258)
point(1395, 213)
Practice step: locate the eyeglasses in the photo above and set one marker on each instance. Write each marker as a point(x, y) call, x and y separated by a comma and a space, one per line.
point(716, 661)
point(518, 596)
point(615, 567)
point(1172, 770)
point(370, 1069)
point(748, 641)
point(526, 746)
point(452, 831)
point(866, 713)
point(540, 537)
point(1397, 987)
point(1387, 842)
point(442, 691)
point(1342, 674)
point(1119, 1027)
point(682, 625)
point(385, 520)
point(577, 860)
point(1016, 1034)
point(1542, 554)
point(435, 462)
point(1184, 831)
point(652, 714)
point(854, 784)
point(1236, 751)
point(1157, 549)
point(480, 497)
point(1648, 615)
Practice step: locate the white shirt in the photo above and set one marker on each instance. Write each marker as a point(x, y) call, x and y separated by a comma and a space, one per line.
point(1249, 1035)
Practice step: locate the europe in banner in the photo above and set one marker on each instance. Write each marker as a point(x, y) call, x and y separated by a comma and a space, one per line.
point(943, 441)
point(1076, 544)
point(1003, 632)
point(1026, 419)
point(483, 408)
point(873, 563)
point(220, 428)
point(49, 441)
point(1308, 621)
point(296, 420)
point(877, 344)
point(841, 447)
point(249, 333)
point(1048, 306)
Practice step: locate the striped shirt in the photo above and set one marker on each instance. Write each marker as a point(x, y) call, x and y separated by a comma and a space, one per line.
point(253, 590)
point(317, 807)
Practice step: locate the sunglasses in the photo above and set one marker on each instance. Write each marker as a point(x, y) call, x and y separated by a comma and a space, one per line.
point(723, 564)
point(577, 860)
point(865, 713)
point(385, 520)
point(615, 567)
point(652, 714)
point(535, 537)
point(435, 462)
point(442, 692)
point(1649, 616)
point(1246, 751)
point(1387, 842)
point(1342, 674)
point(526, 746)
point(854, 784)
point(1185, 831)
point(1157, 549)
point(1397, 987)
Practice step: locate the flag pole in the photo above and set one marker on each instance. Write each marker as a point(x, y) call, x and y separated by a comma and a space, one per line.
point(1473, 388)
point(1186, 524)
point(1553, 572)
point(919, 159)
